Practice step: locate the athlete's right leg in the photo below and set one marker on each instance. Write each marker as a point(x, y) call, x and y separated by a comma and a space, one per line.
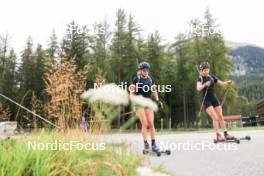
point(144, 125)
point(150, 118)
point(211, 112)
point(219, 112)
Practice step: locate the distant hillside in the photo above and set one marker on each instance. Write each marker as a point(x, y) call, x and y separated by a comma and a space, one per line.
point(248, 59)
point(249, 70)
point(235, 45)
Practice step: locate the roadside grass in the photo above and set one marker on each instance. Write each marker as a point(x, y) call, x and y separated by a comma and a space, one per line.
point(18, 159)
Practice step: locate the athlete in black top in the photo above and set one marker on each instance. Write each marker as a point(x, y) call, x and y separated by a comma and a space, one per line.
point(210, 97)
point(143, 84)
point(206, 83)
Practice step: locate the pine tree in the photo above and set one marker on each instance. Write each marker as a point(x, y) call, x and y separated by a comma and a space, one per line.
point(118, 46)
point(100, 53)
point(181, 56)
point(124, 47)
point(26, 71)
point(75, 44)
point(3, 58)
point(132, 56)
point(9, 87)
point(154, 53)
point(100, 44)
point(53, 47)
point(8, 75)
point(40, 69)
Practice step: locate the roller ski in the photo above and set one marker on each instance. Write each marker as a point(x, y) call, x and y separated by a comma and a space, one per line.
point(227, 138)
point(154, 150)
point(247, 138)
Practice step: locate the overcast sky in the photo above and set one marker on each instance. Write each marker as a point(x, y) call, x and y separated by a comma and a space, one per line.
point(241, 21)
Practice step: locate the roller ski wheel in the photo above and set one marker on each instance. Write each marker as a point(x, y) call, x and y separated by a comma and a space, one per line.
point(168, 152)
point(151, 152)
point(237, 141)
point(248, 138)
point(158, 154)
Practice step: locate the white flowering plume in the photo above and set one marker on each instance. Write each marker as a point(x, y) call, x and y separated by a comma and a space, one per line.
point(113, 94)
point(108, 93)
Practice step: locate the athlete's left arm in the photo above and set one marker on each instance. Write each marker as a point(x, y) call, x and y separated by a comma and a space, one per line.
point(224, 83)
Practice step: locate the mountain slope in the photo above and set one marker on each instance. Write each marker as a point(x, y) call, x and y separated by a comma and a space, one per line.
point(249, 71)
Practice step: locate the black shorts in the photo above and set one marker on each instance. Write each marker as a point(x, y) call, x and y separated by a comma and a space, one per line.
point(211, 101)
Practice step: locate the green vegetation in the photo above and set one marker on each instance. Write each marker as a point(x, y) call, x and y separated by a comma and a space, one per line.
point(249, 59)
point(18, 159)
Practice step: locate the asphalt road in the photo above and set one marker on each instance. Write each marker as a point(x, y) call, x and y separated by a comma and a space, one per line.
point(196, 154)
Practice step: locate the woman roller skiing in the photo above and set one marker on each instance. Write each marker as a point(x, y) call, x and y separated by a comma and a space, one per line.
point(206, 83)
point(146, 115)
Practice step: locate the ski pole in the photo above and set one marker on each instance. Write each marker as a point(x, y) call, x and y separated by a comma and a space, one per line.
point(5, 97)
